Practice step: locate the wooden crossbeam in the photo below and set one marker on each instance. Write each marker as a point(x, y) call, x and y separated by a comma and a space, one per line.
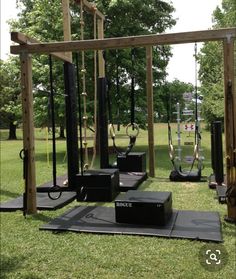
point(125, 42)
point(67, 25)
point(23, 39)
point(91, 8)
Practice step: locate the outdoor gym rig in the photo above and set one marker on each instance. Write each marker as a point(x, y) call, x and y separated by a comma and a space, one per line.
point(28, 46)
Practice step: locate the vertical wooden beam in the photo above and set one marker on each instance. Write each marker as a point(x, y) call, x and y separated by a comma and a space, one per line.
point(230, 126)
point(28, 132)
point(149, 88)
point(101, 62)
point(66, 25)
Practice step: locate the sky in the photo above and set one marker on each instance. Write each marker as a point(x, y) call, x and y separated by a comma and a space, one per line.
point(192, 15)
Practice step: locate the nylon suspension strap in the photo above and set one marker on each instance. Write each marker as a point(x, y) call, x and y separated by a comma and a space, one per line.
point(55, 187)
point(132, 129)
point(197, 146)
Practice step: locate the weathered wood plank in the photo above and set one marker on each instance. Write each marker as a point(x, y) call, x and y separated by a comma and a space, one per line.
point(125, 42)
point(91, 8)
point(23, 39)
point(101, 62)
point(66, 24)
point(230, 122)
point(28, 135)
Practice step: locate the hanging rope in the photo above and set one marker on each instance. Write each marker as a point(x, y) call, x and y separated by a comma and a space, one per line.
point(84, 94)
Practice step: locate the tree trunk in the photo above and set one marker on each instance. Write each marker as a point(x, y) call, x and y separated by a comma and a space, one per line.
point(62, 132)
point(12, 131)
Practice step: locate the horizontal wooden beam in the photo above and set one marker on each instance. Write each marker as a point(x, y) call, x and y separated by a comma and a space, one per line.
point(125, 42)
point(91, 8)
point(23, 39)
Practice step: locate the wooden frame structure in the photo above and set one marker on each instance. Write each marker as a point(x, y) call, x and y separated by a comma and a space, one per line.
point(226, 36)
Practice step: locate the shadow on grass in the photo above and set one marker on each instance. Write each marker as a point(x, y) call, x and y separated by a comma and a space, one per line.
point(8, 194)
point(10, 264)
point(41, 217)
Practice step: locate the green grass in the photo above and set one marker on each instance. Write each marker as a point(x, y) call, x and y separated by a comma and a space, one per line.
point(29, 253)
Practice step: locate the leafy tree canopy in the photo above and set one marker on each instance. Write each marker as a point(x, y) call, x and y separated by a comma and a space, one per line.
point(211, 64)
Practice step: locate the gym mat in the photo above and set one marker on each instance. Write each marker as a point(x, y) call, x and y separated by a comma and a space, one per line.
point(43, 202)
point(183, 224)
point(131, 180)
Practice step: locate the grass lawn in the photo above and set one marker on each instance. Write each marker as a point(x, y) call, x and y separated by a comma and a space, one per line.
point(29, 253)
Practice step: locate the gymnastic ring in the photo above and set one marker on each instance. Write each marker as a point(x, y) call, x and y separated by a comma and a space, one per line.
point(134, 127)
point(195, 152)
point(171, 152)
point(54, 189)
point(112, 131)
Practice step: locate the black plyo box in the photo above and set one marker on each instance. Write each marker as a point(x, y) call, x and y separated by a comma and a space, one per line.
point(141, 207)
point(133, 162)
point(98, 185)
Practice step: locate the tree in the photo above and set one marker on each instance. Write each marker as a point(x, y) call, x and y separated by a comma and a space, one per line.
point(43, 20)
point(10, 101)
point(211, 65)
point(170, 94)
point(129, 18)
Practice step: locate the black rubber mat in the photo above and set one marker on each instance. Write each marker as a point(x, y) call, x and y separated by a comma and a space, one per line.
point(43, 202)
point(183, 224)
point(202, 225)
point(131, 180)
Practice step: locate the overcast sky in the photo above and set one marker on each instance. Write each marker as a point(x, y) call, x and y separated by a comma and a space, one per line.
point(192, 15)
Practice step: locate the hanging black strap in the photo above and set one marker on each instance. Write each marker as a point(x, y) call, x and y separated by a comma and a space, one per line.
point(24, 156)
point(55, 187)
point(109, 107)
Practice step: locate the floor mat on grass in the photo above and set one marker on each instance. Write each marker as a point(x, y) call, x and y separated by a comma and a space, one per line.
point(43, 202)
point(183, 224)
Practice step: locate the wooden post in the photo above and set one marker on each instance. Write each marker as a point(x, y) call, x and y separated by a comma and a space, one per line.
point(66, 25)
point(28, 132)
point(230, 126)
point(149, 87)
point(101, 63)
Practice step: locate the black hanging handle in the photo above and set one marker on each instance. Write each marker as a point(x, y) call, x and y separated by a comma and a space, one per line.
point(24, 156)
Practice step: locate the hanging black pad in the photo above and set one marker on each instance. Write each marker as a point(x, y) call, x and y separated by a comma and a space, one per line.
point(183, 224)
point(43, 202)
point(183, 176)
